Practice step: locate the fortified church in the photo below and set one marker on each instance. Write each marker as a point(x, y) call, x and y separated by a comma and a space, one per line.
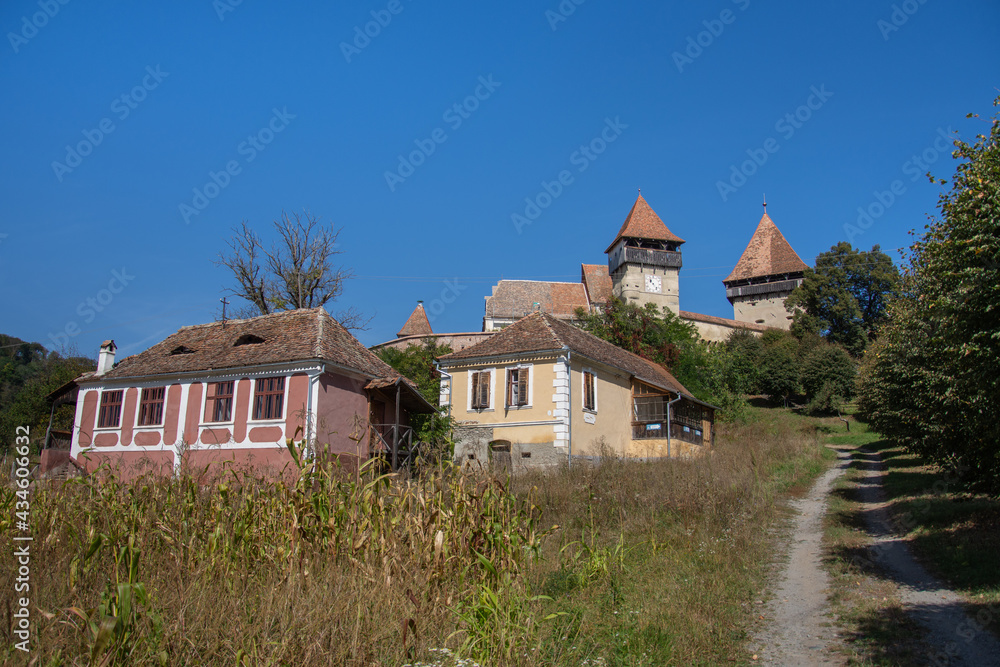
point(644, 265)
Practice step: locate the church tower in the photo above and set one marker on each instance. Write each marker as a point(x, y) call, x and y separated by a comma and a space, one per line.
point(766, 274)
point(644, 260)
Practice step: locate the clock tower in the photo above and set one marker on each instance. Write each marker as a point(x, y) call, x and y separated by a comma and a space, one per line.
point(644, 260)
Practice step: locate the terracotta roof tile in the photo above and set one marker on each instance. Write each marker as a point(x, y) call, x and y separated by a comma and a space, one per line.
point(597, 280)
point(643, 223)
point(541, 332)
point(294, 335)
point(767, 254)
point(417, 324)
point(516, 298)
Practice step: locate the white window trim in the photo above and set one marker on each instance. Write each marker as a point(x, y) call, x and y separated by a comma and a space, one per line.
point(232, 414)
point(583, 389)
point(531, 386)
point(121, 415)
point(138, 409)
point(253, 399)
point(493, 385)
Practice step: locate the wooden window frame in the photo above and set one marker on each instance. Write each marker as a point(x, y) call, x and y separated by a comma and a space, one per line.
point(269, 398)
point(480, 391)
point(214, 400)
point(109, 407)
point(589, 390)
point(519, 382)
point(151, 400)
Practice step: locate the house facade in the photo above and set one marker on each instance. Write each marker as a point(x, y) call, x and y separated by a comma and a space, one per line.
point(231, 393)
point(542, 391)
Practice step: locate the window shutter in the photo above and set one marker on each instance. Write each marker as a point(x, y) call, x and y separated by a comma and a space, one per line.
point(522, 386)
point(511, 379)
point(475, 389)
point(484, 389)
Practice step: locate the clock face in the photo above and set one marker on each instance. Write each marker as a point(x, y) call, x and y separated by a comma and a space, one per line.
point(653, 284)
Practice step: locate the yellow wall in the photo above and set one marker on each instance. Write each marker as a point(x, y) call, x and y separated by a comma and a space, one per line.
point(542, 408)
point(613, 417)
point(612, 420)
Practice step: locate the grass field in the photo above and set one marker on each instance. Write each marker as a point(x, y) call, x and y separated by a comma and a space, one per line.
point(626, 563)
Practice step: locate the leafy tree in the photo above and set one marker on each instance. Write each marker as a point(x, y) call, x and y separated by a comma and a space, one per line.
point(743, 352)
point(930, 382)
point(779, 372)
point(828, 369)
point(295, 272)
point(660, 336)
point(416, 362)
point(844, 297)
point(28, 373)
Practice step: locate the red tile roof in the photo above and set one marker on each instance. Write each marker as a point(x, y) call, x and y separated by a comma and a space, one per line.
point(767, 254)
point(294, 335)
point(597, 280)
point(543, 333)
point(417, 324)
point(513, 299)
point(643, 223)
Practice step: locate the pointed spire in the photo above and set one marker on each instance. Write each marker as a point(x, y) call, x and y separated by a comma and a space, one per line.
point(417, 324)
point(643, 223)
point(767, 254)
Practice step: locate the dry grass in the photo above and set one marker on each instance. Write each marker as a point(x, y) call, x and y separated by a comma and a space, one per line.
point(652, 563)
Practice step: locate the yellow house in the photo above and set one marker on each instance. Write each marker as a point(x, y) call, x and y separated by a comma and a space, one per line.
point(543, 391)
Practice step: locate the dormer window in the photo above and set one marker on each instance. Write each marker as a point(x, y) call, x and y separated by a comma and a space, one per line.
point(248, 339)
point(182, 349)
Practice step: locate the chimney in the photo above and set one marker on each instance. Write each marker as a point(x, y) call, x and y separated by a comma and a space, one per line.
point(106, 358)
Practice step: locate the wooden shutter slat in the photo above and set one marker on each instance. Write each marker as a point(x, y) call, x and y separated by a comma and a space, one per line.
point(522, 386)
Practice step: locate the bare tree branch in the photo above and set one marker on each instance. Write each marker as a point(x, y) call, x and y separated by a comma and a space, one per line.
point(354, 320)
point(296, 272)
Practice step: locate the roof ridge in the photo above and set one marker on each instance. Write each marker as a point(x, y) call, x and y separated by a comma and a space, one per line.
point(242, 320)
point(549, 282)
point(767, 253)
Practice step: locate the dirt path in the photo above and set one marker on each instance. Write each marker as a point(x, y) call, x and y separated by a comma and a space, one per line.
point(954, 637)
point(798, 631)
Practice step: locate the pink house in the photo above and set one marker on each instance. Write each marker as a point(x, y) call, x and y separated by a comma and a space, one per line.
point(231, 393)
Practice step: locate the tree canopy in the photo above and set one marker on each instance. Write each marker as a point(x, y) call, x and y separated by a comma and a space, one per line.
point(28, 373)
point(844, 297)
point(297, 271)
point(930, 382)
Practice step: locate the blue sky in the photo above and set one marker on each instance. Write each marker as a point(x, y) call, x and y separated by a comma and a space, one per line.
point(100, 245)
